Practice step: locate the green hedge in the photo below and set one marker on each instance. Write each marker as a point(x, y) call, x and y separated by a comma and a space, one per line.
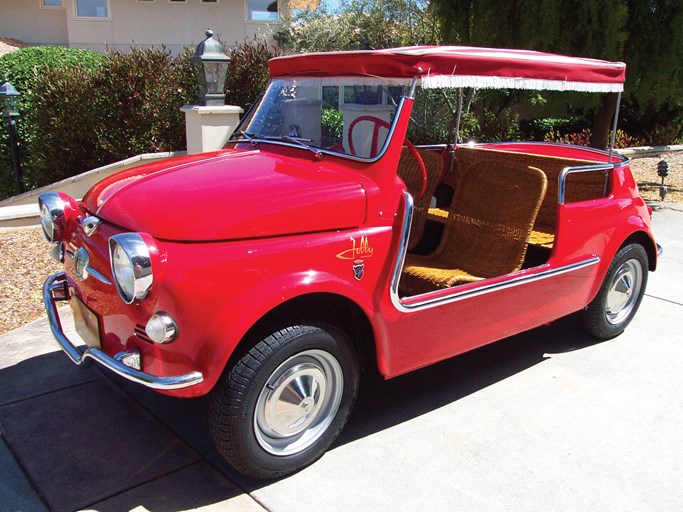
point(82, 110)
point(23, 68)
point(89, 117)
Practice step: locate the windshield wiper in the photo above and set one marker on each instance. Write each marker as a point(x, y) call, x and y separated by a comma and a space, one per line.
point(249, 137)
point(296, 140)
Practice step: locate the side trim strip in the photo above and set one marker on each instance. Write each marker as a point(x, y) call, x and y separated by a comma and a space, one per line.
point(473, 292)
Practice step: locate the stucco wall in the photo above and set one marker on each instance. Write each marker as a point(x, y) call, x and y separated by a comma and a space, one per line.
point(176, 25)
point(26, 21)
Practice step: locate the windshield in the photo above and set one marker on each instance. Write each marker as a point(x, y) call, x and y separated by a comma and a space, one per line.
point(343, 115)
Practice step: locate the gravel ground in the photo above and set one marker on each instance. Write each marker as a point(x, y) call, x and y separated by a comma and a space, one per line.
point(25, 262)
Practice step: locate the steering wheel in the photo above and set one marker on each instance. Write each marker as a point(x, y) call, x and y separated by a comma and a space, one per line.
point(381, 123)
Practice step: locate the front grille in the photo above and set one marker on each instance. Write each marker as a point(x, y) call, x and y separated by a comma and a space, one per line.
point(141, 334)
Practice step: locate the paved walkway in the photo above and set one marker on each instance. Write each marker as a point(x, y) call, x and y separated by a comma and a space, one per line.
point(547, 420)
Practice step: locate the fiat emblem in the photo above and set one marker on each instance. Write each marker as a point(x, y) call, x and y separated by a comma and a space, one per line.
point(81, 262)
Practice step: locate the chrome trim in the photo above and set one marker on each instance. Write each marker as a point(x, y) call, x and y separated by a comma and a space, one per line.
point(89, 224)
point(298, 402)
point(97, 275)
point(493, 287)
point(58, 252)
point(55, 208)
point(81, 262)
point(169, 326)
point(472, 292)
point(402, 248)
point(54, 290)
point(562, 178)
point(138, 255)
point(131, 358)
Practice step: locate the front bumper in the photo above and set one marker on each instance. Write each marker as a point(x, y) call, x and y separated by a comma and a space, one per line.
point(56, 289)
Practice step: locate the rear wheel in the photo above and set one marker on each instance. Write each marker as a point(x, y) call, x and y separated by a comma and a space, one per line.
point(281, 405)
point(620, 295)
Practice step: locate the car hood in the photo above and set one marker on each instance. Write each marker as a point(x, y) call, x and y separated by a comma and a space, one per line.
point(229, 195)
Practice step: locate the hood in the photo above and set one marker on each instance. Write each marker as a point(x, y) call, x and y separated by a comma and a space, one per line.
point(229, 195)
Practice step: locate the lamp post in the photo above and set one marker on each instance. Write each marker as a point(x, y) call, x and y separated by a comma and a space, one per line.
point(9, 103)
point(662, 172)
point(212, 69)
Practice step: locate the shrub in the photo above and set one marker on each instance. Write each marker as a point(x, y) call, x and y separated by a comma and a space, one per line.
point(537, 129)
point(138, 101)
point(491, 128)
point(583, 138)
point(23, 68)
point(92, 117)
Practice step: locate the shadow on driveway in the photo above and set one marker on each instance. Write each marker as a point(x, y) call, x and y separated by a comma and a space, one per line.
point(84, 443)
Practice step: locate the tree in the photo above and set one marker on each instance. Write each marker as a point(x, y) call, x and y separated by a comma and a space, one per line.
point(357, 23)
point(643, 33)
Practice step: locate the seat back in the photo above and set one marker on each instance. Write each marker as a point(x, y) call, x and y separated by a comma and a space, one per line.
point(491, 216)
point(409, 172)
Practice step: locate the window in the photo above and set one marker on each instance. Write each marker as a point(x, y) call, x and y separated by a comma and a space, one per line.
point(146, 1)
point(208, 1)
point(262, 10)
point(51, 3)
point(92, 8)
point(177, 1)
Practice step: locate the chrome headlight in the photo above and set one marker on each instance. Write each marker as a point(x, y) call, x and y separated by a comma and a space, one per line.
point(51, 214)
point(131, 266)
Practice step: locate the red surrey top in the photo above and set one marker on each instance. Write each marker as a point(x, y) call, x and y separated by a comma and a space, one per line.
point(461, 66)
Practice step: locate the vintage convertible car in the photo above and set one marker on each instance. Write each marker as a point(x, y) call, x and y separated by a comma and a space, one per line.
point(311, 248)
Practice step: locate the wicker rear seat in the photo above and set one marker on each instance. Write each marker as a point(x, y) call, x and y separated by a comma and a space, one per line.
point(579, 187)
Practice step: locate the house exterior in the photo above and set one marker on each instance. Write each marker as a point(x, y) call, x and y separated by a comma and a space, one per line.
point(118, 24)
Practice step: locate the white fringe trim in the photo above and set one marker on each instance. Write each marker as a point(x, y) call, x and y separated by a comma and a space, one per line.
point(498, 82)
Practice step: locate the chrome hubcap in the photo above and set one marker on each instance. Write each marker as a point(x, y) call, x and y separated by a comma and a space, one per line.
point(298, 403)
point(623, 291)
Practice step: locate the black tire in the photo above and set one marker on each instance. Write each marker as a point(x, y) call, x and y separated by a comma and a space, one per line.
point(266, 427)
point(620, 294)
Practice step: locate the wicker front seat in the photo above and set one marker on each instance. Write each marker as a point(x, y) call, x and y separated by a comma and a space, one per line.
point(487, 230)
point(409, 172)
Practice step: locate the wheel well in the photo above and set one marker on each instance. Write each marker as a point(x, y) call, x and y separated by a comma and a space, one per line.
point(320, 309)
point(641, 238)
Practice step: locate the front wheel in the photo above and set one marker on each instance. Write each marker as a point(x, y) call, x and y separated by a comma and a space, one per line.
point(620, 294)
point(285, 401)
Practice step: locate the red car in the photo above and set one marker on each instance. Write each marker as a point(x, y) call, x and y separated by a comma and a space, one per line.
point(320, 243)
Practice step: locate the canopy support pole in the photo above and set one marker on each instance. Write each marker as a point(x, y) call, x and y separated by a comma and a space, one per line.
point(458, 116)
point(614, 128)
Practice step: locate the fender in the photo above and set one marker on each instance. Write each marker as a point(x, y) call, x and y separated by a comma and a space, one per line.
point(226, 333)
point(633, 225)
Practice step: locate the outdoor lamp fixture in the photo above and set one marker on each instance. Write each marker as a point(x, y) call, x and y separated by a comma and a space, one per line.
point(662, 172)
point(212, 69)
point(9, 103)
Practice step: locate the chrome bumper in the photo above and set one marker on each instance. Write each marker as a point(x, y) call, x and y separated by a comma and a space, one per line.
point(55, 289)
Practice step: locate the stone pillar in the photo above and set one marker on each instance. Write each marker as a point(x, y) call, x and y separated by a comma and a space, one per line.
point(208, 128)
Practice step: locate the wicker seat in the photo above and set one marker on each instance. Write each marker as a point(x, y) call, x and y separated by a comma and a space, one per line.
point(487, 231)
point(409, 172)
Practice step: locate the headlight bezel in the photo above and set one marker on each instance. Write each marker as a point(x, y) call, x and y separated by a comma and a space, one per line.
point(136, 250)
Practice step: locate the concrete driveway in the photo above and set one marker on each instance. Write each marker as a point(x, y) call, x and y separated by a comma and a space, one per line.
point(546, 420)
